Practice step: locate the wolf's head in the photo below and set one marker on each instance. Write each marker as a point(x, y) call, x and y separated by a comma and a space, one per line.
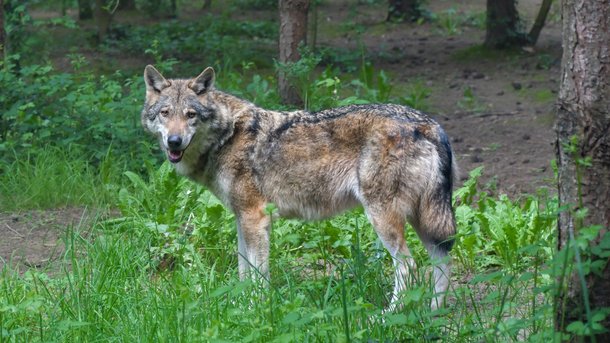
point(180, 113)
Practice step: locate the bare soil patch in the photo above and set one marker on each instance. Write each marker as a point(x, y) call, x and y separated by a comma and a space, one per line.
point(34, 239)
point(497, 106)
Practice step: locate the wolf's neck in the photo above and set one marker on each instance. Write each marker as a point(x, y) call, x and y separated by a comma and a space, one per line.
point(231, 103)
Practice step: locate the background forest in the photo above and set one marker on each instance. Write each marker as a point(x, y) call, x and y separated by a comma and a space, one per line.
point(101, 240)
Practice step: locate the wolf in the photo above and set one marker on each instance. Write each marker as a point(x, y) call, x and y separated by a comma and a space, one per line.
point(394, 161)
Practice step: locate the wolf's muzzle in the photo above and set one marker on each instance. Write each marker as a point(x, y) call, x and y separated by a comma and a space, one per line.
point(174, 142)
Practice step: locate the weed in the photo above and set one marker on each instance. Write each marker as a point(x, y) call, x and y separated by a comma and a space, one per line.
point(545, 61)
point(544, 96)
point(171, 255)
point(417, 96)
point(477, 20)
point(469, 102)
point(53, 177)
point(449, 22)
point(300, 72)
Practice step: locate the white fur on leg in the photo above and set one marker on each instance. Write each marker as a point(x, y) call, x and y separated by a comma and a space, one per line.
point(403, 267)
point(441, 274)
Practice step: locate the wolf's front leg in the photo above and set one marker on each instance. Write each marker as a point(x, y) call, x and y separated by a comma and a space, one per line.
point(253, 243)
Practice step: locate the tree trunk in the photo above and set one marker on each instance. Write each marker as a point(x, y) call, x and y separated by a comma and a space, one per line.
point(545, 7)
point(207, 4)
point(503, 25)
point(293, 31)
point(399, 10)
point(584, 113)
point(103, 16)
point(85, 11)
point(127, 5)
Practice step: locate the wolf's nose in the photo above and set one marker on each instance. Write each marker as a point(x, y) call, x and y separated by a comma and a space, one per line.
point(174, 142)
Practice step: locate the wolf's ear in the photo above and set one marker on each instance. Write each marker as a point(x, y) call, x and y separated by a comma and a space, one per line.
point(155, 82)
point(204, 82)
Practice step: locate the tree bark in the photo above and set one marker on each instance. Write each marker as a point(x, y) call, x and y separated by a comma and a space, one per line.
point(85, 11)
point(503, 25)
point(293, 31)
point(584, 112)
point(103, 17)
point(403, 10)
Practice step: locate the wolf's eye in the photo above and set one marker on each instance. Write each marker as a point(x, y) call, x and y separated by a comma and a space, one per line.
point(165, 112)
point(191, 114)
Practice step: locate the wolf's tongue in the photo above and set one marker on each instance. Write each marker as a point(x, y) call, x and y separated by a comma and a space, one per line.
point(174, 155)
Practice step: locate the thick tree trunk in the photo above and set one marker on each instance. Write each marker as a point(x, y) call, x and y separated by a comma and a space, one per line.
point(85, 10)
point(293, 31)
point(584, 113)
point(503, 25)
point(403, 10)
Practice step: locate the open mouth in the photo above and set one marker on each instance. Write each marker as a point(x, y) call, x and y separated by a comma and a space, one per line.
point(175, 156)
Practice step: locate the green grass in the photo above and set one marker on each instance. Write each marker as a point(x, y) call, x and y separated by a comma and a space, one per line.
point(544, 96)
point(480, 52)
point(57, 176)
point(166, 270)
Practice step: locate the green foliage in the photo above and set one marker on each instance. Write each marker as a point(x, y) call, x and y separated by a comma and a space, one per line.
point(417, 95)
point(545, 61)
point(376, 87)
point(163, 209)
point(156, 8)
point(16, 19)
point(300, 72)
point(171, 254)
point(40, 107)
point(449, 22)
point(500, 232)
point(211, 40)
point(55, 176)
point(256, 4)
point(477, 20)
point(261, 90)
point(470, 102)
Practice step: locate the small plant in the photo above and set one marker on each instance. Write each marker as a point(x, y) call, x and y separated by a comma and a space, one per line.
point(546, 61)
point(417, 96)
point(469, 102)
point(300, 72)
point(448, 22)
point(372, 86)
point(477, 20)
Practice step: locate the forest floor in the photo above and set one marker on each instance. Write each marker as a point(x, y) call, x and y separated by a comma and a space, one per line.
point(497, 107)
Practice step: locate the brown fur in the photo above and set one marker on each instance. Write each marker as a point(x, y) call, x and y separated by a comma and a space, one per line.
point(394, 161)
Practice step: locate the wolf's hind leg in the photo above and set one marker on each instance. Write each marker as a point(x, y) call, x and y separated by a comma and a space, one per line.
point(390, 229)
point(436, 229)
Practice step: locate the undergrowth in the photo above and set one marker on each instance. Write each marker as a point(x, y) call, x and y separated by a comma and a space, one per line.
point(171, 254)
